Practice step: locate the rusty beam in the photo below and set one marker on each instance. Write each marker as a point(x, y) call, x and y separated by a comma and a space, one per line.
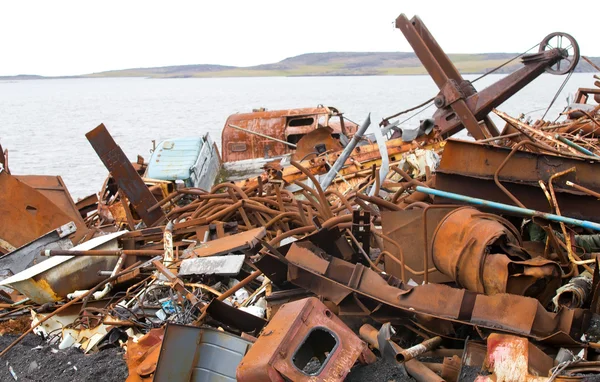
point(125, 175)
point(337, 279)
point(468, 168)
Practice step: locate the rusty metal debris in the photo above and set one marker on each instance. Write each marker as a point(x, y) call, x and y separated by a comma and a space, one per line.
point(476, 254)
point(303, 340)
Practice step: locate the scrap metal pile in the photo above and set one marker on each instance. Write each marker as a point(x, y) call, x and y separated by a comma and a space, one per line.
point(435, 256)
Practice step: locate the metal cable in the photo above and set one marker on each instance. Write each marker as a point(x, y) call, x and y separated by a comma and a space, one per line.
point(558, 93)
point(429, 101)
point(504, 64)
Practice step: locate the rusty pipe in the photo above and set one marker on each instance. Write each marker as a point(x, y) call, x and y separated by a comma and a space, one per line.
point(415, 351)
point(103, 252)
point(413, 367)
point(583, 189)
point(322, 199)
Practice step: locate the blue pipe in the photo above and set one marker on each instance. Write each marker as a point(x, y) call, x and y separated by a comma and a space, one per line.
point(575, 146)
point(509, 208)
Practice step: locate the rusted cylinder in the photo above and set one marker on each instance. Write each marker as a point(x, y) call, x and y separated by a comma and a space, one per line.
point(105, 252)
point(415, 351)
point(416, 369)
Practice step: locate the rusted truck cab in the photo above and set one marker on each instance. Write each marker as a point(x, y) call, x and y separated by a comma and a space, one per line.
point(285, 125)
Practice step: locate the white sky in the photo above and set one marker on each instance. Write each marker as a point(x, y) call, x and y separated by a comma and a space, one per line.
point(78, 37)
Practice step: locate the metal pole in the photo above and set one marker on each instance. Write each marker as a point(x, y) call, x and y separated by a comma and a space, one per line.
point(509, 208)
point(575, 146)
point(583, 189)
point(103, 252)
point(262, 135)
point(339, 163)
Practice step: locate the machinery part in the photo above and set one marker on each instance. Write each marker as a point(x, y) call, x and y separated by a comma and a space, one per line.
point(459, 104)
point(569, 49)
point(299, 333)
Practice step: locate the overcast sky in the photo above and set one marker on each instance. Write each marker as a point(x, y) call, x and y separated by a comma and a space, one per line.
point(78, 37)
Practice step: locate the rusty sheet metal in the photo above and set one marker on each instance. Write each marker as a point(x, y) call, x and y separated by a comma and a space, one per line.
point(465, 247)
point(142, 355)
point(125, 175)
point(306, 145)
point(337, 279)
point(238, 242)
point(515, 359)
point(299, 331)
point(468, 168)
point(87, 204)
point(54, 188)
point(26, 213)
point(406, 228)
point(287, 125)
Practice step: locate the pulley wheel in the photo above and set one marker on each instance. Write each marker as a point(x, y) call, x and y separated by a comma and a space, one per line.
point(569, 50)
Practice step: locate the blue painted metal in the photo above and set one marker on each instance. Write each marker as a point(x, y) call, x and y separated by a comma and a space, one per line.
point(575, 146)
point(509, 208)
point(193, 160)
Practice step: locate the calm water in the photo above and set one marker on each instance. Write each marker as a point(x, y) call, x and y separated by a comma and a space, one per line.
point(43, 122)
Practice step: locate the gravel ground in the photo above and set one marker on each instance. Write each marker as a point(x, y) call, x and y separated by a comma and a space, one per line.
point(379, 371)
point(33, 360)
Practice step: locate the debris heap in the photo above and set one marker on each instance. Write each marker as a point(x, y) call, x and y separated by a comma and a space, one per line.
point(436, 258)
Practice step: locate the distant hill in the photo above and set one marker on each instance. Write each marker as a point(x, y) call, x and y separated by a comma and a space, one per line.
point(328, 64)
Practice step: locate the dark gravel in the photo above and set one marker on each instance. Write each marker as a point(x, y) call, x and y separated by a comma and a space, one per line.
point(379, 371)
point(50, 364)
point(469, 373)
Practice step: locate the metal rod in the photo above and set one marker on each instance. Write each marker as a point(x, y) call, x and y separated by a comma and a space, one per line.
point(231, 291)
point(575, 146)
point(339, 163)
point(543, 128)
point(417, 350)
point(100, 252)
point(583, 189)
point(413, 367)
point(509, 208)
point(262, 135)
